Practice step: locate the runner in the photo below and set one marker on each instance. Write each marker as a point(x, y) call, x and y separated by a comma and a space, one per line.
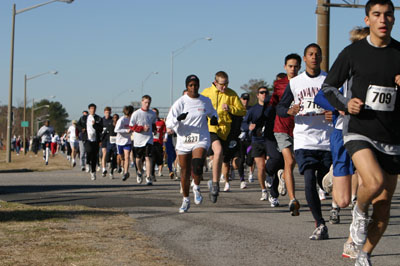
point(260, 119)
point(91, 126)
point(188, 118)
point(142, 124)
point(226, 102)
point(105, 138)
point(283, 132)
point(245, 142)
point(371, 133)
point(45, 133)
point(72, 135)
point(123, 140)
point(55, 139)
point(158, 142)
point(82, 152)
point(112, 146)
point(311, 131)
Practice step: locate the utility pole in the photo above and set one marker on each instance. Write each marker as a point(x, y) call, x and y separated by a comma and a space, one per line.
point(323, 31)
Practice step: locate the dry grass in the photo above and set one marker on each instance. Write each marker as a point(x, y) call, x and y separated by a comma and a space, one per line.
point(65, 235)
point(33, 163)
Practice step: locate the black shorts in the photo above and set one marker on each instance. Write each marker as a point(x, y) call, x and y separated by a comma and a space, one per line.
point(141, 152)
point(258, 149)
point(104, 143)
point(232, 150)
point(158, 154)
point(46, 144)
point(224, 144)
point(317, 159)
point(389, 163)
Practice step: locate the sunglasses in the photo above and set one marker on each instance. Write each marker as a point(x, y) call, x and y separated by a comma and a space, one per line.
point(262, 92)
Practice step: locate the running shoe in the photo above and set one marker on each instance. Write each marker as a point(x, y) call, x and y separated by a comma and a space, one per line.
point(268, 181)
point(327, 182)
point(251, 178)
point(148, 181)
point(294, 207)
point(104, 174)
point(274, 201)
point(214, 191)
point(47, 163)
point(132, 164)
point(171, 175)
point(139, 178)
point(264, 195)
point(98, 169)
point(185, 206)
point(93, 176)
point(227, 187)
point(210, 164)
point(83, 169)
point(243, 185)
point(321, 194)
point(87, 168)
point(334, 217)
point(350, 250)
point(282, 186)
point(363, 259)
point(73, 163)
point(160, 173)
point(222, 178)
point(359, 228)
point(353, 202)
point(112, 174)
point(156, 167)
point(125, 177)
point(198, 198)
point(192, 183)
point(320, 233)
point(119, 170)
point(153, 178)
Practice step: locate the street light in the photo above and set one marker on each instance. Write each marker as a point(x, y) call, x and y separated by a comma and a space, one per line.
point(33, 111)
point(10, 91)
point(176, 53)
point(151, 73)
point(54, 72)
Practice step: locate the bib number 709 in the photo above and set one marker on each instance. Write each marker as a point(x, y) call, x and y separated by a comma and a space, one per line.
point(380, 98)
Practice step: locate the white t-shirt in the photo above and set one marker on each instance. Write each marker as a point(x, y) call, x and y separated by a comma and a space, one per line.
point(194, 128)
point(72, 133)
point(311, 130)
point(55, 138)
point(91, 132)
point(142, 118)
point(123, 131)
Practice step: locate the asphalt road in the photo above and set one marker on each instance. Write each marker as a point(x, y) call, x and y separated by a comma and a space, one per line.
point(238, 230)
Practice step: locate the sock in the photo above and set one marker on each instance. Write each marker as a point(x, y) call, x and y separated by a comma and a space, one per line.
point(197, 187)
point(264, 190)
point(353, 197)
point(334, 205)
point(359, 212)
point(186, 199)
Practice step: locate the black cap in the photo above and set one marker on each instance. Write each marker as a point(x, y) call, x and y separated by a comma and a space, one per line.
point(245, 96)
point(190, 78)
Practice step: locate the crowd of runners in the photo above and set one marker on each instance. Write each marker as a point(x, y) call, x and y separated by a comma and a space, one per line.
point(342, 128)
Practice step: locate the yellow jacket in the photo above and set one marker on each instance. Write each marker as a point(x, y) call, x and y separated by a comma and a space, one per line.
point(224, 119)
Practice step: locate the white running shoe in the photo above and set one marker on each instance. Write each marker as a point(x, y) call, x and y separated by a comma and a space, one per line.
point(243, 185)
point(87, 168)
point(327, 182)
point(251, 178)
point(185, 206)
point(268, 182)
point(148, 181)
point(321, 194)
point(192, 183)
point(139, 178)
point(222, 178)
point(227, 187)
point(274, 201)
point(93, 176)
point(198, 198)
point(282, 185)
point(264, 195)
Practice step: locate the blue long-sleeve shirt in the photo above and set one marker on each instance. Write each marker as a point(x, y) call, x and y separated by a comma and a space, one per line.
point(255, 115)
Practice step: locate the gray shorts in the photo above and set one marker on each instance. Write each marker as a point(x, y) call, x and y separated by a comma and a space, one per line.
point(284, 141)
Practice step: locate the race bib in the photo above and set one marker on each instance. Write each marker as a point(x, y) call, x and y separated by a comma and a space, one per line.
point(113, 139)
point(309, 107)
point(192, 138)
point(156, 135)
point(380, 98)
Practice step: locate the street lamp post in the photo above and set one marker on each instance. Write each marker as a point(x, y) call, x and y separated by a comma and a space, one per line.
point(25, 81)
point(10, 91)
point(176, 53)
point(151, 73)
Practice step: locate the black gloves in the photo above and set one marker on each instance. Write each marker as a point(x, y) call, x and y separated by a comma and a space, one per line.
point(182, 116)
point(214, 121)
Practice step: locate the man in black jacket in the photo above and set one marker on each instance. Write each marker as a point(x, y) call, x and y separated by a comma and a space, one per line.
point(91, 127)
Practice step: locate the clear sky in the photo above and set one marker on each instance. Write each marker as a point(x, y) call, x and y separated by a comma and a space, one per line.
point(104, 49)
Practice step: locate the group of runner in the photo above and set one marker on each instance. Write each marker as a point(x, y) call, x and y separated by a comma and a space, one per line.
point(341, 128)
